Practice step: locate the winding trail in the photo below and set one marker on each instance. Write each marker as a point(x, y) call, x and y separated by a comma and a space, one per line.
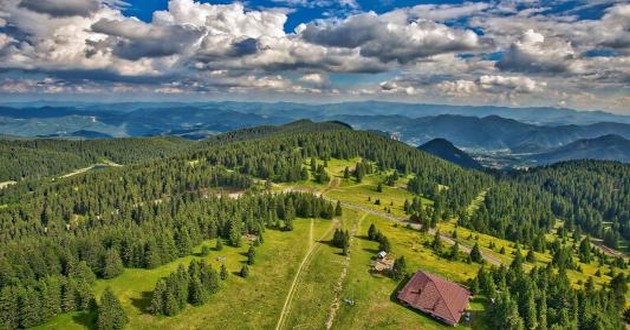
point(334, 307)
point(313, 248)
point(416, 226)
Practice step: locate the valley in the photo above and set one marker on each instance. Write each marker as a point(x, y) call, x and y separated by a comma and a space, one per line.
point(300, 279)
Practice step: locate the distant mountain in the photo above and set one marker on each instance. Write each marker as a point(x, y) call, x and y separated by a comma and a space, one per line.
point(608, 147)
point(447, 151)
point(489, 133)
point(482, 130)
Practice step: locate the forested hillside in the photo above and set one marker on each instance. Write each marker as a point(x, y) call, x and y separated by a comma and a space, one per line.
point(21, 159)
point(57, 237)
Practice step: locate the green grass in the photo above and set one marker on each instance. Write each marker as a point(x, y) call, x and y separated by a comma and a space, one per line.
point(252, 303)
point(257, 302)
point(374, 295)
point(316, 290)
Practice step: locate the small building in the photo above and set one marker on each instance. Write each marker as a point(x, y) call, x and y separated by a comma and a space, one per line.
point(381, 255)
point(431, 294)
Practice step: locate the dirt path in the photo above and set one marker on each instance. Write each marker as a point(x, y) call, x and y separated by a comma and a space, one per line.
point(6, 184)
point(403, 221)
point(312, 250)
point(342, 277)
point(85, 169)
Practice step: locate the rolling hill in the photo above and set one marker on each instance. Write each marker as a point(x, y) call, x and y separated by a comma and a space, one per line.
point(447, 151)
point(607, 147)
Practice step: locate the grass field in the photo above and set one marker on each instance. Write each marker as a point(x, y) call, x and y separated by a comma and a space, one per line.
point(300, 281)
point(261, 295)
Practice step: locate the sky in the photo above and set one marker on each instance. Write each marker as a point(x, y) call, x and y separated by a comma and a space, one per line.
point(519, 53)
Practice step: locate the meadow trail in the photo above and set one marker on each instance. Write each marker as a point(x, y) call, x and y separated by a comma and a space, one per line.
point(334, 307)
point(308, 257)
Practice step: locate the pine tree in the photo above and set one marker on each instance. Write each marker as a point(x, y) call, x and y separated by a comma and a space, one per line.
point(244, 271)
point(251, 255)
point(384, 244)
point(517, 262)
point(530, 257)
point(112, 265)
point(9, 315)
point(530, 315)
point(437, 241)
point(158, 306)
point(400, 268)
point(372, 233)
point(29, 307)
point(111, 315)
point(338, 209)
point(475, 254)
point(585, 250)
point(197, 294)
point(224, 272)
point(219, 245)
point(454, 251)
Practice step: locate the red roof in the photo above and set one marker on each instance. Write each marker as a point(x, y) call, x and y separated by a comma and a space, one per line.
point(435, 295)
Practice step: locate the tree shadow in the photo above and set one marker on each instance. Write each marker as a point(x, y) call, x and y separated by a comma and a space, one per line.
point(143, 303)
point(329, 243)
point(372, 251)
point(86, 319)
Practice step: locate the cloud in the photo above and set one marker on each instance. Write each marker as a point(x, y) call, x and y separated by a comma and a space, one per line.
point(389, 37)
point(132, 39)
point(319, 3)
point(535, 53)
point(491, 84)
point(443, 13)
point(316, 79)
point(488, 52)
point(65, 8)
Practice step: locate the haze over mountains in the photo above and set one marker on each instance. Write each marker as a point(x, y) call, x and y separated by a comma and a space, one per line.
point(521, 132)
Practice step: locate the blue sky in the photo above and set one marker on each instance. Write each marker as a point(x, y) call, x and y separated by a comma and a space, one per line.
point(566, 53)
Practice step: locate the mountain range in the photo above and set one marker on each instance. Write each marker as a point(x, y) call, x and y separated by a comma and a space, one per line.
point(522, 132)
point(447, 151)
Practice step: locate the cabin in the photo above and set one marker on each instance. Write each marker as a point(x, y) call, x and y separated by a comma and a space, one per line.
point(381, 255)
point(441, 299)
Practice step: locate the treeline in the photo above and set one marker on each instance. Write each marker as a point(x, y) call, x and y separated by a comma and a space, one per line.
point(131, 217)
point(279, 156)
point(184, 286)
point(158, 234)
point(518, 212)
point(544, 299)
point(588, 194)
point(36, 158)
point(591, 197)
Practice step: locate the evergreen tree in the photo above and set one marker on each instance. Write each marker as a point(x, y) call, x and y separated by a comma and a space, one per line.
point(454, 251)
point(197, 294)
point(384, 245)
point(400, 268)
point(475, 254)
point(437, 241)
point(158, 306)
point(372, 233)
point(585, 250)
point(9, 312)
point(219, 245)
point(338, 209)
point(530, 257)
point(251, 255)
point(224, 272)
point(244, 271)
point(112, 264)
point(111, 315)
